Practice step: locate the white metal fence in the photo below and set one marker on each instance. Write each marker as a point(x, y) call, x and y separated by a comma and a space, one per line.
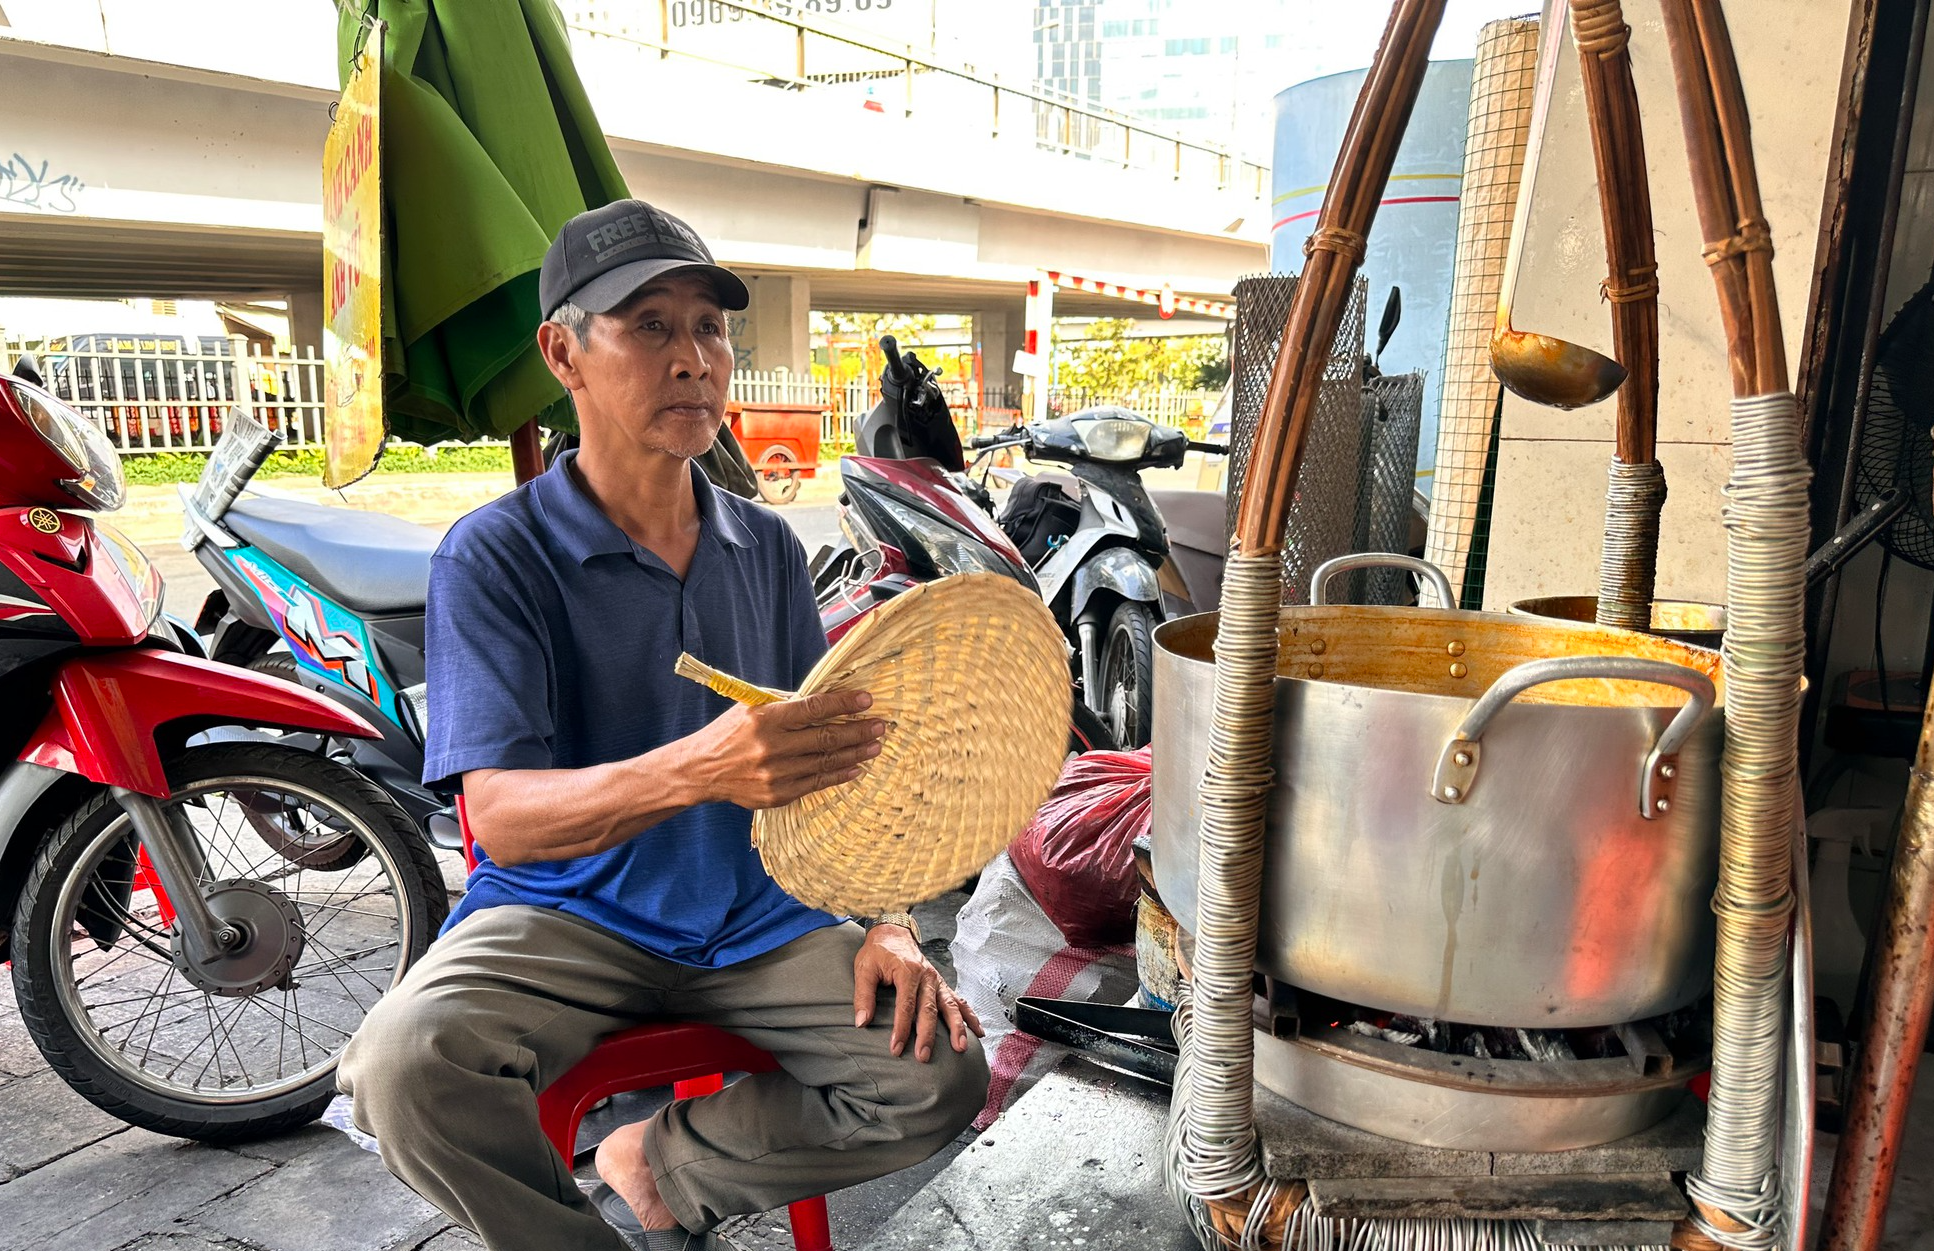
point(842, 407)
point(168, 392)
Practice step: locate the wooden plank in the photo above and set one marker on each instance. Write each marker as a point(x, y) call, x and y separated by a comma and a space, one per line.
point(1553, 1197)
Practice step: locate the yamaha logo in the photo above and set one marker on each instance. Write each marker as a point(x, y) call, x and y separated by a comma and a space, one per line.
point(45, 520)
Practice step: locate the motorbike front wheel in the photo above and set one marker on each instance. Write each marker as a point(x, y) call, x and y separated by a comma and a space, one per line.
point(243, 1045)
point(1128, 674)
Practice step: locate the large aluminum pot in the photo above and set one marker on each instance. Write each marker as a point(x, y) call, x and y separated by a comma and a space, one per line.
point(1452, 832)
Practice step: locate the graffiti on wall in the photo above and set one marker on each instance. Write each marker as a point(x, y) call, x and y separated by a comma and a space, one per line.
point(37, 187)
point(735, 327)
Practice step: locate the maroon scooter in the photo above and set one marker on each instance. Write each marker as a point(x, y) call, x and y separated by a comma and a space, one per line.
point(910, 514)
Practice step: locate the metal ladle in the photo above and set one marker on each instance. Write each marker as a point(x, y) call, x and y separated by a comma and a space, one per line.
point(1538, 367)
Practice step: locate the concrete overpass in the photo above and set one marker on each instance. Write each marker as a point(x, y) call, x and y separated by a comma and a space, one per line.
point(186, 172)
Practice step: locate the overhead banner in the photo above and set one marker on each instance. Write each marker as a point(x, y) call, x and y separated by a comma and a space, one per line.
point(354, 427)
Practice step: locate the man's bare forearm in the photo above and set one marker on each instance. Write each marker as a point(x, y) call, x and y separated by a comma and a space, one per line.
point(756, 757)
point(520, 816)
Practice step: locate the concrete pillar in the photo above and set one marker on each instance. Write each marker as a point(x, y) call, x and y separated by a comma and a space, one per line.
point(305, 319)
point(776, 331)
point(1000, 332)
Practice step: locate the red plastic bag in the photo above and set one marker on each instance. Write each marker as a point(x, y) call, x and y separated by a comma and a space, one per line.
point(1076, 855)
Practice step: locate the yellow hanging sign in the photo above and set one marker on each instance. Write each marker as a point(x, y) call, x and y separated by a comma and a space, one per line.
point(354, 427)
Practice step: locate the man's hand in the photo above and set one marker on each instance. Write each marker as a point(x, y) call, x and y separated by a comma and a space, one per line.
point(769, 756)
point(922, 1001)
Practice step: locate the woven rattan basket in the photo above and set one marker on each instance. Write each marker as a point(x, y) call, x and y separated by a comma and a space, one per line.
point(971, 676)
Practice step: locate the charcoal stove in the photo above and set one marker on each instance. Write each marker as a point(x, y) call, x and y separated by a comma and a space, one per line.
point(1477, 1087)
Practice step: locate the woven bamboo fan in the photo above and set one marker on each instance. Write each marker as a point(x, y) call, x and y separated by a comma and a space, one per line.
point(971, 676)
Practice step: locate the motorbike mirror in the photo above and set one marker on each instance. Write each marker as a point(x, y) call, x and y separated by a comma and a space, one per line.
point(27, 369)
point(1387, 326)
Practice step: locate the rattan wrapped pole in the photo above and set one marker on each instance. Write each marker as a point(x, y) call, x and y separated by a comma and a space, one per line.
point(970, 674)
point(1737, 1190)
point(1212, 1138)
point(1628, 563)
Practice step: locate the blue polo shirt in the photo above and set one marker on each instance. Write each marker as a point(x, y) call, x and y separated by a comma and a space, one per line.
point(549, 644)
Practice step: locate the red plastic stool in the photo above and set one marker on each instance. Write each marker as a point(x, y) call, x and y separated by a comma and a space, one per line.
point(691, 1059)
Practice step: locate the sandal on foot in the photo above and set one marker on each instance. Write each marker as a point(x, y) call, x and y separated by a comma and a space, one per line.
point(618, 1214)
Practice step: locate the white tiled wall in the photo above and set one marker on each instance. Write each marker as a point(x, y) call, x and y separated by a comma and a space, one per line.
point(1551, 469)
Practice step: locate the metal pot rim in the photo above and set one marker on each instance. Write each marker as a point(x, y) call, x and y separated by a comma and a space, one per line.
point(1636, 644)
point(1692, 622)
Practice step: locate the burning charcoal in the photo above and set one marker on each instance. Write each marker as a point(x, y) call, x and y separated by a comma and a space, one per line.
point(1427, 1032)
point(1600, 1043)
point(1544, 1046)
point(1364, 1028)
point(1403, 1038)
point(1473, 1044)
point(1682, 1022)
point(1503, 1043)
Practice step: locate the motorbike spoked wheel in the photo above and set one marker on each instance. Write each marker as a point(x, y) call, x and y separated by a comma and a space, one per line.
point(1128, 675)
point(299, 843)
point(245, 1045)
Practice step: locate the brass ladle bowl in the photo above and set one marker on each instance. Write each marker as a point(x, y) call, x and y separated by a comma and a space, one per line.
point(1538, 367)
point(1551, 371)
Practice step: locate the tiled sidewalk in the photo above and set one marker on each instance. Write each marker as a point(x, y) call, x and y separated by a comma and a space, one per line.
point(73, 1178)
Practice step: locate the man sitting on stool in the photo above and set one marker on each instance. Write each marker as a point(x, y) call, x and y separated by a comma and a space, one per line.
point(611, 800)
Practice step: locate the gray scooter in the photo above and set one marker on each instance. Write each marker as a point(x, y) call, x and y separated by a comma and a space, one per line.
point(1099, 548)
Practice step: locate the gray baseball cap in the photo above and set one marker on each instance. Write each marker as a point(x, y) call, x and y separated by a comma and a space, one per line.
point(603, 255)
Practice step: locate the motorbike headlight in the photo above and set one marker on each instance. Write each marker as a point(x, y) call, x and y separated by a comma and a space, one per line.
point(951, 551)
point(97, 482)
point(1114, 438)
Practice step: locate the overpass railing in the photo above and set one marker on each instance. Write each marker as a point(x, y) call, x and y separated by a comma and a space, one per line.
point(168, 392)
point(783, 44)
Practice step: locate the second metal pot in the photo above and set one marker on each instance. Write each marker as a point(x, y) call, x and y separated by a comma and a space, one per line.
point(1457, 833)
point(1702, 625)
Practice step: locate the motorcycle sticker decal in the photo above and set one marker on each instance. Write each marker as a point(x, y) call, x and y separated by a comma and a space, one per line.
point(12, 609)
point(321, 636)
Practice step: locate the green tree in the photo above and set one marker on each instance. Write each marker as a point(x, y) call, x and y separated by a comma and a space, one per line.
point(873, 325)
point(851, 342)
point(1112, 363)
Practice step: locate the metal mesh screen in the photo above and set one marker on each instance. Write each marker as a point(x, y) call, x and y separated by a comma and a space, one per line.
point(1322, 518)
point(1502, 86)
point(1393, 409)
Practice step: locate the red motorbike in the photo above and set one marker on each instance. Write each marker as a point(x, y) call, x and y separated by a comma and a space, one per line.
point(196, 924)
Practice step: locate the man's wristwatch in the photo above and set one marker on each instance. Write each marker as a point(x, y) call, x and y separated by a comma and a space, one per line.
point(901, 919)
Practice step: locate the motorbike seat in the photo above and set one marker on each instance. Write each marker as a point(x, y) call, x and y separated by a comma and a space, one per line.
point(1198, 540)
point(368, 562)
point(1196, 519)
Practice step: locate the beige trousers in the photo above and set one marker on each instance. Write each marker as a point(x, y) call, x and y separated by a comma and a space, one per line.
point(445, 1073)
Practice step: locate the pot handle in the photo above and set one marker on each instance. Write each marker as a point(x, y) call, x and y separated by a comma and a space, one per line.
point(1431, 574)
point(1658, 773)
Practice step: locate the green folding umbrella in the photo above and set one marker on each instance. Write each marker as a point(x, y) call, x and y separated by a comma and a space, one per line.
point(489, 146)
